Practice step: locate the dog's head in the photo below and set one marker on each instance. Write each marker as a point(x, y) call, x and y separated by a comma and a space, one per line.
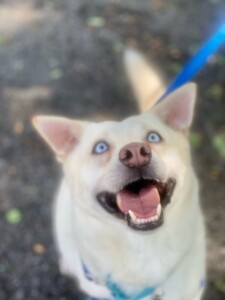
point(127, 171)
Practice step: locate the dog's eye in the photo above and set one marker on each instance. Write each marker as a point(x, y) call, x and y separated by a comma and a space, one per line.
point(154, 137)
point(100, 147)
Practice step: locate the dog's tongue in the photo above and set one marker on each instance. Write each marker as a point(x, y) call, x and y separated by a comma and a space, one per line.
point(144, 204)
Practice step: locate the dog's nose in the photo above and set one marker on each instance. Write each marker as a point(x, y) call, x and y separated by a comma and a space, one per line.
point(135, 155)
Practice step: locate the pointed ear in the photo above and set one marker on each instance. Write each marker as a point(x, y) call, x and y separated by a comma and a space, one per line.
point(61, 134)
point(177, 109)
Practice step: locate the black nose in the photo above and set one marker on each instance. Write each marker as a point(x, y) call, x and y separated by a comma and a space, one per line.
point(135, 155)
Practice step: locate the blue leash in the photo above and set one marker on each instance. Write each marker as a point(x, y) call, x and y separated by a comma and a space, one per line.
point(188, 72)
point(198, 61)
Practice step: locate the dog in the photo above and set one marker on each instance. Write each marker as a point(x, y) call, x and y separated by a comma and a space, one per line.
point(127, 212)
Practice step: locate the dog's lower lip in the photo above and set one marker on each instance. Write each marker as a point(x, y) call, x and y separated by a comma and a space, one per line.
point(135, 220)
point(145, 226)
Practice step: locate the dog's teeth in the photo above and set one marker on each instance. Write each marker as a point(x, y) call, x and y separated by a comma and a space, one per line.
point(155, 218)
point(132, 215)
point(138, 221)
point(118, 200)
point(159, 209)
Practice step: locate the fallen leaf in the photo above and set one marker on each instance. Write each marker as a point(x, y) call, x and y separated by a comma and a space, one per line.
point(18, 128)
point(220, 286)
point(14, 216)
point(56, 74)
point(39, 248)
point(3, 40)
point(195, 139)
point(96, 21)
point(218, 142)
point(118, 47)
point(215, 92)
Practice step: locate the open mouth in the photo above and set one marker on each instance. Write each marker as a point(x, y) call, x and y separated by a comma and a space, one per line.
point(140, 203)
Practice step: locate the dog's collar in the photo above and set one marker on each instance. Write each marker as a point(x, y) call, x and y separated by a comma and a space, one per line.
point(119, 295)
point(117, 292)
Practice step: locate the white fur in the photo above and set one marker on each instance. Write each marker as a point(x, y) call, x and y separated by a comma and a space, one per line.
point(171, 257)
point(124, 256)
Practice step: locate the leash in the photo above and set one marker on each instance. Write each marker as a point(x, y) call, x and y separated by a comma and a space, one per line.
point(197, 62)
point(188, 72)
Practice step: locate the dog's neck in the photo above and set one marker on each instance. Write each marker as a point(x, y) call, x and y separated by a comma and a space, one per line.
point(113, 251)
point(119, 294)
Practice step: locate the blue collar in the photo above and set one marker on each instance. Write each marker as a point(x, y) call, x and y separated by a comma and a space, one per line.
point(119, 295)
point(117, 292)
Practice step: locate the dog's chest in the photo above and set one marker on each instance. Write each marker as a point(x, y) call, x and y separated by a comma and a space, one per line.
point(129, 259)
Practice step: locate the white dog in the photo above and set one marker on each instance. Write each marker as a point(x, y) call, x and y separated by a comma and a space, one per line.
point(127, 209)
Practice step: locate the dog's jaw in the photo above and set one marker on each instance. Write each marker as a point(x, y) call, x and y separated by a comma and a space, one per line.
point(140, 204)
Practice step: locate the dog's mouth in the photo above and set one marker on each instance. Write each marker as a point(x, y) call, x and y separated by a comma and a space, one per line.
point(140, 203)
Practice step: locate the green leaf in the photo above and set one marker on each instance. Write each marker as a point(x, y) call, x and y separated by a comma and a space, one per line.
point(56, 74)
point(216, 92)
point(218, 142)
point(13, 216)
point(118, 47)
point(195, 139)
point(96, 21)
point(3, 40)
point(220, 286)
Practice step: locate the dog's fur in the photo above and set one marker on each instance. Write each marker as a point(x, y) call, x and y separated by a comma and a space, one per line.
point(170, 257)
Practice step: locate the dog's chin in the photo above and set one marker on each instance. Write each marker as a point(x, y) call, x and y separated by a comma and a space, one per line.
point(140, 204)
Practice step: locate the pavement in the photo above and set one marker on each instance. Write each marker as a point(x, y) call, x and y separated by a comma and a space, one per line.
point(65, 58)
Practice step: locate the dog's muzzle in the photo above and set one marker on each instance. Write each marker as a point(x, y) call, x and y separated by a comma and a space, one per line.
point(141, 201)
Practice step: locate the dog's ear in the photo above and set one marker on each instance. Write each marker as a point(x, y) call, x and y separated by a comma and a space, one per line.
point(177, 109)
point(145, 80)
point(61, 134)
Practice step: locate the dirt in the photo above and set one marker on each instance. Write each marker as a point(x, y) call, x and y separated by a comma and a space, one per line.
point(64, 57)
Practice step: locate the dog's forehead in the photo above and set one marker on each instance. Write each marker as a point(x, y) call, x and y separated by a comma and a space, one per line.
point(133, 125)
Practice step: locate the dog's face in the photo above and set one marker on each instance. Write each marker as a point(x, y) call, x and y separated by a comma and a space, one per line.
point(127, 171)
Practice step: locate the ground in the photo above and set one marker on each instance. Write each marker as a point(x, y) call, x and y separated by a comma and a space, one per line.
point(64, 57)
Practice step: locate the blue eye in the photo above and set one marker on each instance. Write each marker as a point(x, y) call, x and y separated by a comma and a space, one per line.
point(100, 147)
point(154, 137)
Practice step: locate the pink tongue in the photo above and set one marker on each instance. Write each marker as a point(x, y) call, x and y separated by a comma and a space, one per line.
point(144, 204)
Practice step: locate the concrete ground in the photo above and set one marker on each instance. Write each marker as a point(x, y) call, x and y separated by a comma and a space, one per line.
point(64, 57)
